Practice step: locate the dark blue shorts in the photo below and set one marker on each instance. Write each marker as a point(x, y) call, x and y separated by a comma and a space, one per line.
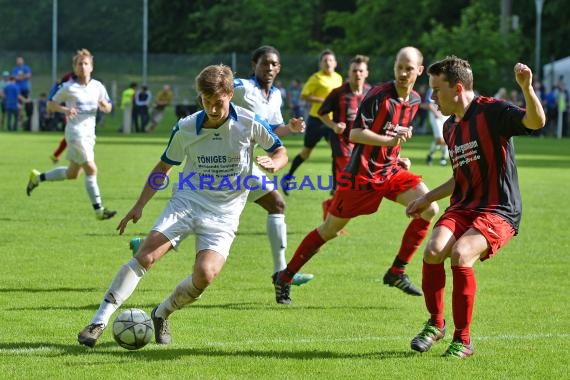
point(316, 130)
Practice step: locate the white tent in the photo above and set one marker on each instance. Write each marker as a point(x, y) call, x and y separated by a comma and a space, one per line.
point(554, 70)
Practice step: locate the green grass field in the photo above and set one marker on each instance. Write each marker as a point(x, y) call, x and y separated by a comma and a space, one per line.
point(58, 261)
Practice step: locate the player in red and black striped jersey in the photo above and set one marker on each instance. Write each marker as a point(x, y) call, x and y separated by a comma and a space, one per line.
point(343, 103)
point(485, 208)
point(374, 172)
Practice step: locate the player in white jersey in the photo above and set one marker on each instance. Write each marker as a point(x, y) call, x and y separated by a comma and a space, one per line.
point(259, 95)
point(218, 145)
point(82, 96)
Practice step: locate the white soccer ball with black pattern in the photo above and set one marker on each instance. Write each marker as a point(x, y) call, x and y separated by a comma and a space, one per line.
point(132, 329)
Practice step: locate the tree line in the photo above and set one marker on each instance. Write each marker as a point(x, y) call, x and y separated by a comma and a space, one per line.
point(470, 29)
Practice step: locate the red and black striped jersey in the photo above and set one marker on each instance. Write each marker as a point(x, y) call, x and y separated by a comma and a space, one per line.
point(381, 112)
point(481, 149)
point(343, 104)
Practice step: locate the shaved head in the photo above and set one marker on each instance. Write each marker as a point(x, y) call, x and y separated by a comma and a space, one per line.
point(411, 52)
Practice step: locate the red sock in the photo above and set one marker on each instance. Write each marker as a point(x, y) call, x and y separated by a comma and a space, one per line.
point(433, 285)
point(60, 148)
point(413, 237)
point(308, 247)
point(463, 299)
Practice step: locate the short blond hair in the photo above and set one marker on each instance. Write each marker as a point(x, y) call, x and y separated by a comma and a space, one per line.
point(80, 54)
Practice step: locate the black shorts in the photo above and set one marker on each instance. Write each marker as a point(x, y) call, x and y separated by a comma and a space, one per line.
point(316, 130)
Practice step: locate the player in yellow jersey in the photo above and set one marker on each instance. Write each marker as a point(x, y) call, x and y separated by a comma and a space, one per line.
point(315, 90)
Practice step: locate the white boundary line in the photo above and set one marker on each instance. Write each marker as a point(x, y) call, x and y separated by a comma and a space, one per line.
point(52, 349)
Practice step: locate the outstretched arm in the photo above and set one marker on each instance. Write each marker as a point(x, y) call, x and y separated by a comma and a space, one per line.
point(295, 125)
point(151, 186)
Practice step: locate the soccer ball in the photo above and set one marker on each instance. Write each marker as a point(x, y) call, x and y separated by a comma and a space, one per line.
point(132, 329)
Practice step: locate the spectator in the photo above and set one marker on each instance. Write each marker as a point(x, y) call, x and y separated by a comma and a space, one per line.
point(142, 102)
point(127, 106)
point(562, 102)
point(3, 83)
point(27, 104)
point(516, 99)
point(163, 100)
point(551, 111)
point(283, 92)
point(501, 94)
point(22, 73)
point(43, 112)
point(294, 99)
point(12, 98)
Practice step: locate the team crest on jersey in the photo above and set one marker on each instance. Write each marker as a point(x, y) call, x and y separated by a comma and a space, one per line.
point(217, 137)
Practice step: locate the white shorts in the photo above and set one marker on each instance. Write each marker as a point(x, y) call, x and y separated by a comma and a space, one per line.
point(260, 187)
point(436, 125)
point(81, 150)
point(182, 217)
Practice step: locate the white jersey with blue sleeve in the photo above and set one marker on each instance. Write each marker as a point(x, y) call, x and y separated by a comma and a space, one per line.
point(218, 161)
point(85, 98)
point(248, 94)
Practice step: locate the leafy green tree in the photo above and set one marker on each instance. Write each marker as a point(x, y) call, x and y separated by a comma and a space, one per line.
point(100, 26)
point(477, 38)
point(555, 29)
point(17, 30)
point(380, 28)
point(223, 26)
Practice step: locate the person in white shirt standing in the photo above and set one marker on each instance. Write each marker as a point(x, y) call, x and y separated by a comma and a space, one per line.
point(82, 97)
point(217, 145)
point(259, 94)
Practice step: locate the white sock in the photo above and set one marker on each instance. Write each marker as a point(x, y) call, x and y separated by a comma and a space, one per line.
point(93, 190)
point(184, 294)
point(277, 233)
point(123, 285)
point(445, 152)
point(57, 174)
point(432, 148)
